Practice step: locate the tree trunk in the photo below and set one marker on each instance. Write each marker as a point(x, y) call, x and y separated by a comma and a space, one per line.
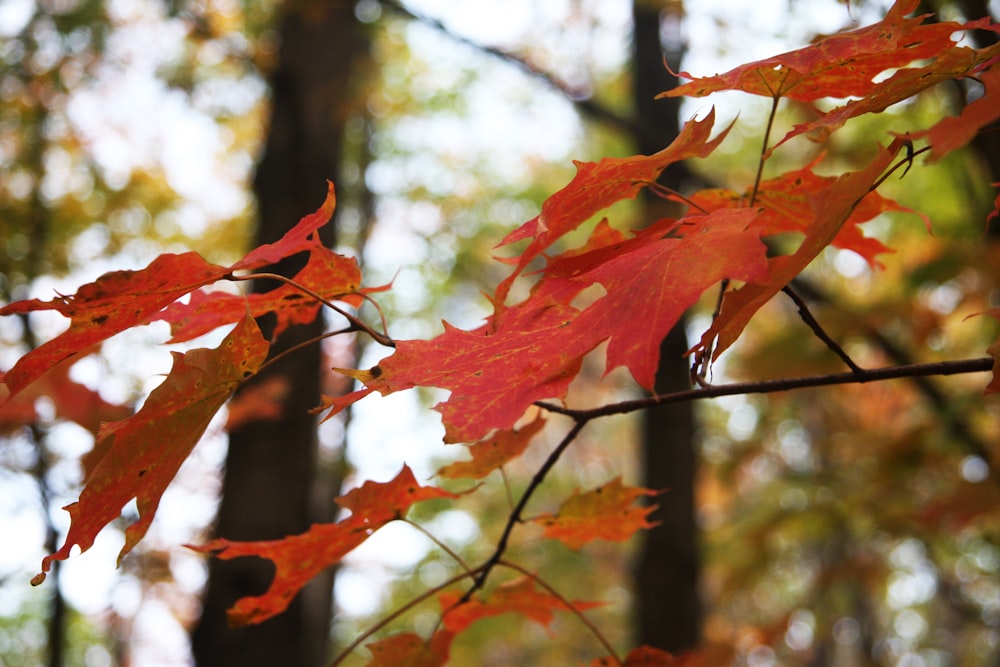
point(668, 607)
point(271, 476)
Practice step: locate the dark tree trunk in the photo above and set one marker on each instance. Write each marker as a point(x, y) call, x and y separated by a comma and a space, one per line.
point(272, 487)
point(668, 607)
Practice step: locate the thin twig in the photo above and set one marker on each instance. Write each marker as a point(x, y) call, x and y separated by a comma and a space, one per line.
point(361, 326)
point(396, 614)
point(957, 367)
point(305, 343)
point(515, 516)
point(569, 606)
point(444, 547)
point(813, 324)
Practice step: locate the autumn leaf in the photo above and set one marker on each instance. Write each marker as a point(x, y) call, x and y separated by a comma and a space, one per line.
point(830, 211)
point(598, 185)
point(841, 65)
point(493, 452)
point(116, 301)
point(120, 300)
point(949, 134)
point(520, 596)
point(786, 203)
point(299, 558)
point(482, 368)
point(332, 276)
point(662, 276)
point(407, 649)
point(378, 503)
point(148, 448)
point(71, 400)
point(606, 513)
point(953, 132)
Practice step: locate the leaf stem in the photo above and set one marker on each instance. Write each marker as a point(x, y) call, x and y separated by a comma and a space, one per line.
point(444, 547)
point(763, 149)
point(381, 338)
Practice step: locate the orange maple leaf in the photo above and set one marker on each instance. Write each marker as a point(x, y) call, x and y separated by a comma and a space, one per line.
point(408, 649)
point(148, 448)
point(841, 65)
point(598, 185)
point(299, 558)
point(493, 452)
point(120, 300)
point(830, 211)
point(606, 512)
point(520, 596)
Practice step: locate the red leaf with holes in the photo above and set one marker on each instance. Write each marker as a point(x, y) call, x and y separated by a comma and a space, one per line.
point(120, 300)
point(145, 451)
point(493, 452)
point(520, 596)
point(299, 558)
point(607, 512)
point(841, 65)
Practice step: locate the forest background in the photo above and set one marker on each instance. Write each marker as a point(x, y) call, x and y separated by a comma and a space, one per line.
point(75, 154)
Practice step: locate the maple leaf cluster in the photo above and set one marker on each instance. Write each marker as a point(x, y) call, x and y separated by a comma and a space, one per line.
point(526, 353)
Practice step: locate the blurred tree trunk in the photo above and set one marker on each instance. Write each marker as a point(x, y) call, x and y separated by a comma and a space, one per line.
point(272, 486)
point(668, 607)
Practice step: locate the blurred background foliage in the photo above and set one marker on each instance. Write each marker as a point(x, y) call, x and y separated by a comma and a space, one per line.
point(845, 526)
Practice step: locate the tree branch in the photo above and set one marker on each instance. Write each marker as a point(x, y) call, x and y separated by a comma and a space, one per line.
point(772, 386)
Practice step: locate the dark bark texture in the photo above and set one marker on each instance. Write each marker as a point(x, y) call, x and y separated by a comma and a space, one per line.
point(668, 607)
point(272, 486)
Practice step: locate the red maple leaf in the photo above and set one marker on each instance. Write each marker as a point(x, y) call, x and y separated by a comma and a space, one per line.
point(663, 275)
point(520, 596)
point(144, 451)
point(482, 368)
point(904, 84)
point(606, 512)
point(493, 452)
point(120, 300)
point(332, 276)
point(598, 185)
point(299, 558)
point(787, 206)
point(841, 65)
point(830, 211)
point(951, 133)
